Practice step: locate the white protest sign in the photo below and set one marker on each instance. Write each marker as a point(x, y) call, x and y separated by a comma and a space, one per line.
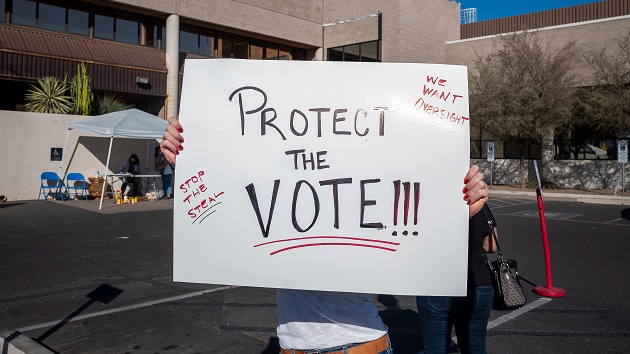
point(323, 176)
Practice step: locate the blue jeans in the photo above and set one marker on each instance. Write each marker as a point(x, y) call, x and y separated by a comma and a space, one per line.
point(167, 184)
point(345, 347)
point(469, 315)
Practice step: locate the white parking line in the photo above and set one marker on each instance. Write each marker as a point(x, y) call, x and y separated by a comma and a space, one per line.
point(512, 315)
point(125, 308)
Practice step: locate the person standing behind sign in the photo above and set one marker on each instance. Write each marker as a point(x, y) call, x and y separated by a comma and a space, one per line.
point(131, 167)
point(469, 314)
point(325, 321)
point(164, 167)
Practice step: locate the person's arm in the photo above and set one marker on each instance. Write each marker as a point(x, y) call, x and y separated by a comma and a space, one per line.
point(475, 190)
point(489, 245)
point(172, 142)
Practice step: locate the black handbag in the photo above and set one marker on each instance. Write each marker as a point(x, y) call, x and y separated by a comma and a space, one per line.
point(508, 293)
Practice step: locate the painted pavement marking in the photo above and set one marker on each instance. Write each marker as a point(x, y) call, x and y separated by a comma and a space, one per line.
point(126, 308)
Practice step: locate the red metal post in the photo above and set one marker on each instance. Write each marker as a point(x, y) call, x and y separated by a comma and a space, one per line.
point(549, 290)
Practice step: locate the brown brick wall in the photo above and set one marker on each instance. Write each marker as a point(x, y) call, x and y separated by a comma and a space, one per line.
point(573, 14)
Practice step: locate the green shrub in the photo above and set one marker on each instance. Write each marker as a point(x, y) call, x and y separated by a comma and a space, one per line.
point(111, 103)
point(49, 97)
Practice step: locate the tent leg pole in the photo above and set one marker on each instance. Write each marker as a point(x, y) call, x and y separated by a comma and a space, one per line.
point(109, 154)
point(146, 162)
point(64, 148)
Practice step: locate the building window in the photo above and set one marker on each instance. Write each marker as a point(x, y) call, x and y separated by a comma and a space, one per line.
point(206, 46)
point(78, 22)
point(188, 42)
point(283, 55)
point(256, 52)
point(513, 151)
point(24, 13)
point(160, 37)
point(117, 29)
point(585, 149)
point(194, 43)
point(52, 18)
point(271, 54)
point(103, 27)
point(127, 31)
point(505, 150)
point(368, 51)
point(224, 47)
point(240, 50)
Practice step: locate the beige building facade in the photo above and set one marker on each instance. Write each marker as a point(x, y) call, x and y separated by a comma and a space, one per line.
point(136, 50)
point(591, 36)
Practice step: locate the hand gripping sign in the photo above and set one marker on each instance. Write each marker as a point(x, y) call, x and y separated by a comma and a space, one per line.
point(323, 176)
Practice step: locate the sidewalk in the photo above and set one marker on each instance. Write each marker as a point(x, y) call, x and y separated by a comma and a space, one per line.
point(575, 195)
point(110, 207)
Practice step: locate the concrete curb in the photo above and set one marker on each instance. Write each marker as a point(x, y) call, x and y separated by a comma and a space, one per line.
point(17, 343)
point(579, 198)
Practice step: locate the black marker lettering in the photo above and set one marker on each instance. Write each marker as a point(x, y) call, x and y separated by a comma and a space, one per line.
point(296, 192)
point(251, 191)
point(335, 183)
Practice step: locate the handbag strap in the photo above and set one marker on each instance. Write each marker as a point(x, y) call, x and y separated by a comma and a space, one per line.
point(491, 228)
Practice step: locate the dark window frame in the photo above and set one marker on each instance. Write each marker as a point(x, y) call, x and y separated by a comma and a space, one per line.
point(478, 151)
point(579, 150)
point(342, 50)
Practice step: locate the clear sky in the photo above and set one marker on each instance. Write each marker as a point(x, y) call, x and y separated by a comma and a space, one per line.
point(489, 9)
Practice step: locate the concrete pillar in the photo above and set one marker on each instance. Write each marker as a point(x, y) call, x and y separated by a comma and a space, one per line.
point(172, 65)
point(319, 54)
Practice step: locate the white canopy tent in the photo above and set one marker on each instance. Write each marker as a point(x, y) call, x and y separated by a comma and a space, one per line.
point(131, 123)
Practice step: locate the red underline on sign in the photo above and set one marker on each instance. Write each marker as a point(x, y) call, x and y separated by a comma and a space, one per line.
point(332, 244)
point(333, 237)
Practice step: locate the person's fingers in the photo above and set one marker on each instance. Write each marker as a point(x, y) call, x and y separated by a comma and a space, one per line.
point(174, 121)
point(173, 135)
point(474, 169)
point(169, 150)
point(475, 191)
point(172, 140)
point(475, 184)
point(478, 193)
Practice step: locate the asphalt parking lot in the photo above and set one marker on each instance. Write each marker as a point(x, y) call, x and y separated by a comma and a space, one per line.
point(76, 280)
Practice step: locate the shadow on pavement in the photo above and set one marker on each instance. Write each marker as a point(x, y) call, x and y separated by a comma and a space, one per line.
point(10, 205)
point(273, 347)
point(103, 293)
point(403, 324)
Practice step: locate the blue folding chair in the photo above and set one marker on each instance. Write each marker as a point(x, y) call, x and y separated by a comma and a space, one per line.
point(75, 181)
point(50, 182)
